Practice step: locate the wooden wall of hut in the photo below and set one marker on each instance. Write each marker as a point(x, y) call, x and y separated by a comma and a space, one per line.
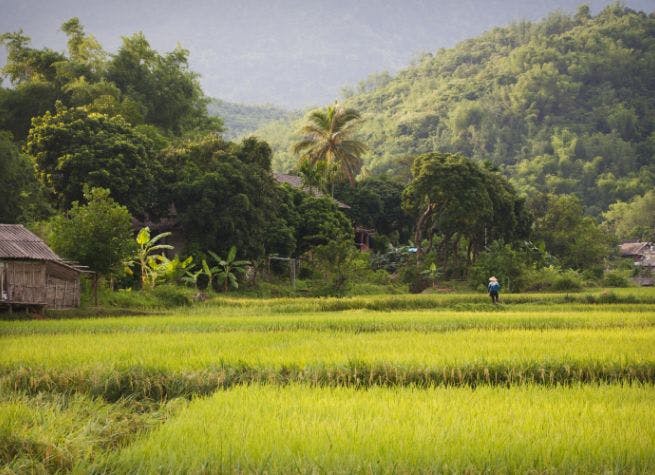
point(62, 286)
point(62, 293)
point(40, 283)
point(25, 282)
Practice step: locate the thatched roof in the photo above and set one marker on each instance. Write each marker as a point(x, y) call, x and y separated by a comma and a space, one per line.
point(296, 182)
point(16, 242)
point(628, 249)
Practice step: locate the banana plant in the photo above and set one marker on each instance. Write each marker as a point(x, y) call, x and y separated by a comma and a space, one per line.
point(169, 270)
point(143, 256)
point(228, 269)
point(200, 279)
point(432, 273)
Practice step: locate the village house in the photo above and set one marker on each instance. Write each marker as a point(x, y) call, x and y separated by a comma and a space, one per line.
point(642, 255)
point(32, 276)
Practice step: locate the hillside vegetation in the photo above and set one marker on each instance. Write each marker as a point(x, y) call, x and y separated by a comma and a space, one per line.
point(565, 105)
point(243, 119)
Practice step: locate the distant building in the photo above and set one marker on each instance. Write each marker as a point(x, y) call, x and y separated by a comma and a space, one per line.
point(642, 255)
point(31, 275)
point(296, 182)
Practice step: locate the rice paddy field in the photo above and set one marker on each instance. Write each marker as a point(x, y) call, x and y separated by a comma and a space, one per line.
point(543, 383)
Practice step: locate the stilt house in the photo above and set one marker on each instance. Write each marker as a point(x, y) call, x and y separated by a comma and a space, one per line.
point(32, 275)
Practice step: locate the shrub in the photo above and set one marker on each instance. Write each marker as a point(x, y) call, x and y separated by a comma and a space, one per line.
point(336, 261)
point(616, 279)
point(504, 262)
point(416, 280)
point(171, 296)
point(540, 279)
point(568, 280)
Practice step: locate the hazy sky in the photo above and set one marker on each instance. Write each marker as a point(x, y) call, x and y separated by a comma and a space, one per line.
point(292, 53)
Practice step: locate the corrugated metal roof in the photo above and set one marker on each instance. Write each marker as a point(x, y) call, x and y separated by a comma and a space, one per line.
point(16, 242)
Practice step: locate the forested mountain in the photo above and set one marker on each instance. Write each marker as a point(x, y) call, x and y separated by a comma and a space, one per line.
point(242, 119)
point(565, 105)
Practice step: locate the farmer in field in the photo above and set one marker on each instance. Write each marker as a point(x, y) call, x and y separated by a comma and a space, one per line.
point(494, 289)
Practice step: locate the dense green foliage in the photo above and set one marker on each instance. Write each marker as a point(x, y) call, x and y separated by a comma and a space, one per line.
point(136, 82)
point(634, 219)
point(241, 120)
point(561, 106)
point(135, 123)
point(376, 202)
point(460, 203)
point(73, 149)
point(576, 240)
point(223, 193)
point(26, 199)
point(97, 235)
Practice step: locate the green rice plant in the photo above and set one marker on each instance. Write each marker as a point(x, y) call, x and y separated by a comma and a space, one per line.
point(163, 365)
point(432, 301)
point(529, 429)
point(225, 319)
point(52, 433)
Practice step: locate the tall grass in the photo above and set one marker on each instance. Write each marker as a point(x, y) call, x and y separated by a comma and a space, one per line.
point(168, 297)
point(583, 429)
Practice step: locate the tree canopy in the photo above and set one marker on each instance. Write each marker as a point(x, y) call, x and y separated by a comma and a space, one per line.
point(74, 148)
point(457, 200)
point(137, 83)
point(97, 234)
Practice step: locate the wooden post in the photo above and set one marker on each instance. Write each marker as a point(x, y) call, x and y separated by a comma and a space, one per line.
point(95, 288)
point(292, 265)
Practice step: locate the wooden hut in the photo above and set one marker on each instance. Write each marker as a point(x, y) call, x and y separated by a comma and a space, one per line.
point(31, 275)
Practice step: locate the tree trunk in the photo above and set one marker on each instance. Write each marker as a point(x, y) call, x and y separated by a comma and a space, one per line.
point(418, 235)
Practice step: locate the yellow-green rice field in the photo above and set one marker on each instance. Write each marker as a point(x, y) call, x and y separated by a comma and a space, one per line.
point(437, 383)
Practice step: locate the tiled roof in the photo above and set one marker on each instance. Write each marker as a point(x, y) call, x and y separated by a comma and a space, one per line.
point(16, 242)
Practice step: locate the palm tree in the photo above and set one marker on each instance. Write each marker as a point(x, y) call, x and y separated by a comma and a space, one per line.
point(327, 138)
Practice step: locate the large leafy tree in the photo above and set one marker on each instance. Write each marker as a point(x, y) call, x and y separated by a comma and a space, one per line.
point(576, 240)
point(461, 202)
point(321, 222)
point(74, 149)
point(376, 202)
point(634, 219)
point(447, 194)
point(97, 234)
point(168, 93)
point(328, 137)
point(22, 197)
point(224, 195)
